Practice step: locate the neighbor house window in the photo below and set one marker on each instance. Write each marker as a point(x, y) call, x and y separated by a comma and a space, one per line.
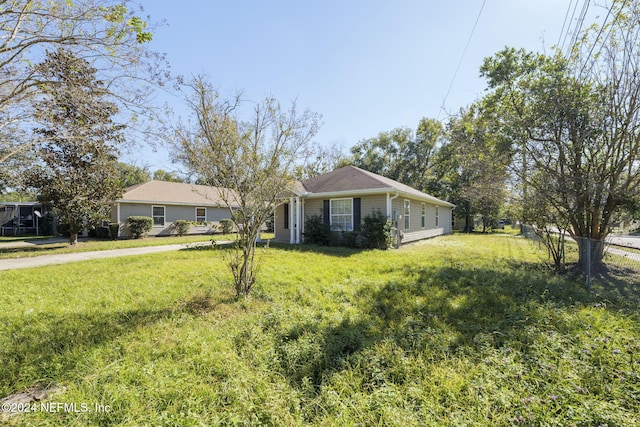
point(437, 213)
point(341, 214)
point(201, 215)
point(407, 214)
point(423, 215)
point(157, 214)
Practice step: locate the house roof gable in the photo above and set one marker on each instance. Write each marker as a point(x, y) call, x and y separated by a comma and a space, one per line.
point(176, 193)
point(353, 179)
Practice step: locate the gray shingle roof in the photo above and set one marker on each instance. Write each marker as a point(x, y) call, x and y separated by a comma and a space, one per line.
point(176, 193)
point(351, 178)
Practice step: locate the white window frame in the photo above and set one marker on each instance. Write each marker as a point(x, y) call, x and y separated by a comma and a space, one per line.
point(350, 215)
point(406, 210)
point(201, 218)
point(437, 216)
point(154, 216)
point(423, 215)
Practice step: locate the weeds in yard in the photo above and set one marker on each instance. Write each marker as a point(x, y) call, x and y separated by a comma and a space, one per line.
point(460, 330)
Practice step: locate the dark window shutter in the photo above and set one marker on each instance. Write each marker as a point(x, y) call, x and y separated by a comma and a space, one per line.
point(325, 212)
point(286, 216)
point(356, 214)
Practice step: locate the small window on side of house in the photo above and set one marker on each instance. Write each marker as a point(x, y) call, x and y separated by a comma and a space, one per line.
point(158, 215)
point(407, 214)
point(201, 215)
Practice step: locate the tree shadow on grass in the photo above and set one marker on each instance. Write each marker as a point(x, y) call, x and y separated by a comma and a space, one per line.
point(45, 349)
point(335, 251)
point(439, 311)
point(618, 283)
point(36, 248)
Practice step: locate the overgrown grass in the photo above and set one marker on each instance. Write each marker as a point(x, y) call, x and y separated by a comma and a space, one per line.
point(459, 330)
point(62, 247)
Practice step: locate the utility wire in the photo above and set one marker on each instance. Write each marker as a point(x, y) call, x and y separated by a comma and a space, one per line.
point(579, 23)
point(462, 57)
point(564, 24)
point(573, 14)
point(593, 45)
point(624, 3)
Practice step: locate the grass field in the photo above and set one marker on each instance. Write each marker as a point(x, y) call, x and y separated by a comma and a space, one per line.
point(459, 330)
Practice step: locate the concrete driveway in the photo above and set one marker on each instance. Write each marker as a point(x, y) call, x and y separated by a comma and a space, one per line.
point(39, 261)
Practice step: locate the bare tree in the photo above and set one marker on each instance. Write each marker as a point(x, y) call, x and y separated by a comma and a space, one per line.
point(250, 162)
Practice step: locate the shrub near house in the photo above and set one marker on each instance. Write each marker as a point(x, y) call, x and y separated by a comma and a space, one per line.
point(139, 226)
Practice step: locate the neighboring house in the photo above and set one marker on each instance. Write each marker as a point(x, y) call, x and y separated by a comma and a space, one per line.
point(20, 217)
point(167, 202)
point(346, 195)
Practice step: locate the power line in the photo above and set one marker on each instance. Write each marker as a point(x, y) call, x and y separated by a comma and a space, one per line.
point(444, 101)
point(566, 15)
point(573, 14)
point(593, 45)
point(579, 23)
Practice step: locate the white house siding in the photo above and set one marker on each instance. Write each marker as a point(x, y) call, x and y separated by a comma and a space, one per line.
point(172, 214)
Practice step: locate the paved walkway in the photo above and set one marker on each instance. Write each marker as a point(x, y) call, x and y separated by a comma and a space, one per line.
point(39, 261)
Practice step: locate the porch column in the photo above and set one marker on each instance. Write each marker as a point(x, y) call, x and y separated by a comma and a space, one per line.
point(292, 221)
point(118, 217)
point(298, 216)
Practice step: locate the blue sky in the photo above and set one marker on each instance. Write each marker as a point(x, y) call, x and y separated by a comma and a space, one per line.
point(366, 65)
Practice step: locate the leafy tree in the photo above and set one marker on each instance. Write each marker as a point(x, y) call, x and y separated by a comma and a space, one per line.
point(418, 155)
point(470, 168)
point(577, 127)
point(251, 162)
point(105, 33)
point(129, 175)
point(319, 160)
point(401, 155)
point(162, 175)
point(383, 154)
point(77, 141)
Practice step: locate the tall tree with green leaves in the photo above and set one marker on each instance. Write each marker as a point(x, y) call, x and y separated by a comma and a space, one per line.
point(383, 154)
point(77, 141)
point(578, 125)
point(129, 175)
point(163, 175)
point(418, 154)
point(471, 168)
point(250, 162)
point(402, 155)
point(109, 34)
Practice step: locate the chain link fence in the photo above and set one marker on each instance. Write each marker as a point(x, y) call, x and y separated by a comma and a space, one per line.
point(618, 258)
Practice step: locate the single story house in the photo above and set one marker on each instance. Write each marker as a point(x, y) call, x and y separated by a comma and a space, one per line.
point(344, 196)
point(167, 202)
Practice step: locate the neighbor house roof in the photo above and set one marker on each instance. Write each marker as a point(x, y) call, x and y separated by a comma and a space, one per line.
point(351, 179)
point(175, 193)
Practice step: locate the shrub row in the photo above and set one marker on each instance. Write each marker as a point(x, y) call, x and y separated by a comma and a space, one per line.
point(139, 226)
point(375, 232)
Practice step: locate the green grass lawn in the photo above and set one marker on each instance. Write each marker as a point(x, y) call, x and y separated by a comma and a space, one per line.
point(458, 330)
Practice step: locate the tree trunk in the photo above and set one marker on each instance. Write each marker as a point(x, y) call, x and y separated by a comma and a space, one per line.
point(73, 238)
point(590, 253)
point(468, 225)
point(243, 265)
